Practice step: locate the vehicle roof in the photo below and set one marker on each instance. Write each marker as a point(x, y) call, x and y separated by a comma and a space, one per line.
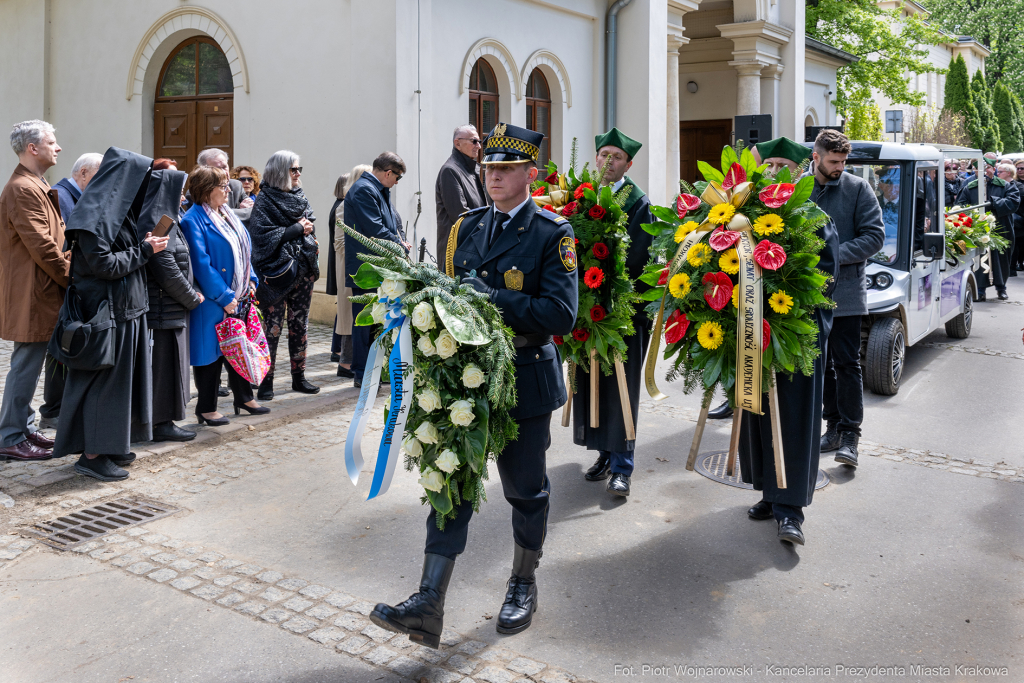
point(905, 151)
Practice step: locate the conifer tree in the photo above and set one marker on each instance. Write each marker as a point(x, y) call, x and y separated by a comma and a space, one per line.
point(959, 99)
point(1002, 105)
point(1018, 117)
point(991, 141)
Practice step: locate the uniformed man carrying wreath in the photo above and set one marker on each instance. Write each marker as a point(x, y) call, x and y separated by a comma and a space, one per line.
point(525, 260)
point(615, 453)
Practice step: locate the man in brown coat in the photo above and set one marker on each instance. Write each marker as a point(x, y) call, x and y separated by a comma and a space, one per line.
point(33, 277)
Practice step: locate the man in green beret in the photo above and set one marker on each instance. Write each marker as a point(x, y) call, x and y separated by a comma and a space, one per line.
point(779, 153)
point(615, 452)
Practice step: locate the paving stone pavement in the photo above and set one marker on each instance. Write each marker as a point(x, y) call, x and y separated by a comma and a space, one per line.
point(333, 618)
point(973, 349)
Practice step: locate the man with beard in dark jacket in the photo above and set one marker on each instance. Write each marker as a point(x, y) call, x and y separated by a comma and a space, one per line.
point(1004, 200)
point(458, 188)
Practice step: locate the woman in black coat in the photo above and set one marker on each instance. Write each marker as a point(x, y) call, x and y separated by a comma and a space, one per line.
point(104, 410)
point(171, 297)
point(285, 254)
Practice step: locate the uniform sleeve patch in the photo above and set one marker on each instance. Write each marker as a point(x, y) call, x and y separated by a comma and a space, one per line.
point(567, 252)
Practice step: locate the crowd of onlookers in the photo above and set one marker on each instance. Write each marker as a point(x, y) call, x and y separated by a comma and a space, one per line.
point(1004, 190)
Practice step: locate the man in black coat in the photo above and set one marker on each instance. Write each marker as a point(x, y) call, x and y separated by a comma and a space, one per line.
point(458, 188)
point(954, 183)
point(1004, 200)
point(800, 407)
point(525, 260)
point(368, 210)
point(615, 452)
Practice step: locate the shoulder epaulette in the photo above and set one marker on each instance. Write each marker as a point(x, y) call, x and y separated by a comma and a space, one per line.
point(472, 211)
point(552, 216)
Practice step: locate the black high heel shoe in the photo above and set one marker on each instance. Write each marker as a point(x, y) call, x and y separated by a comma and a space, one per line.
point(259, 410)
point(216, 422)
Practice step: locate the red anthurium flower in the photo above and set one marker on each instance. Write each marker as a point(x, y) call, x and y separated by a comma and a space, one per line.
point(676, 326)
point(769, 255)
point(569, 209)
point(663, 280)
point(766, 334)
point(717, 290)
point(597, 313)
point(721, 239)
point(578, 194)
point(600, 250)
point(552, 179)
point(776, 195)
point(538, 192)
point(734, 176)
point(558, 340)
point(593, 277)
point(579, 334)
point(686, 203)
point(548, 207)
point(596, 212)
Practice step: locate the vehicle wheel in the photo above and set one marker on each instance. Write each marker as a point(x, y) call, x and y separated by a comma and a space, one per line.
point(960, 326)
point(883, 364)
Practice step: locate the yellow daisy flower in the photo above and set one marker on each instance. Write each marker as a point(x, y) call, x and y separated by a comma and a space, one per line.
point(736, 296)
point(768, 224)
point(781, 302)
point(699, 254)
point(679, 285)
point(721, 214)
point(709, 334)
point(685, 229)
point(729, 262)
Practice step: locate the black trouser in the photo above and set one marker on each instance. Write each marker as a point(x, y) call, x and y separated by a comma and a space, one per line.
point(208, 379)
point(362, 338)
point(524, 480)
point(53, 387)
point(844, 384)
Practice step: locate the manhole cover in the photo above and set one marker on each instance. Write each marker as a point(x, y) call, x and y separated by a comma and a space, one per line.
point(89, 524)
point(713, 464)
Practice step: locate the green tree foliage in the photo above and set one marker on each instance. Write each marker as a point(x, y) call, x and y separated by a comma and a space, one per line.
point(1009, 126)
point(864, 122)
point(996, 24)
point(889, 46)
point(1018, 117)
point(992, 138)
point(959, 99)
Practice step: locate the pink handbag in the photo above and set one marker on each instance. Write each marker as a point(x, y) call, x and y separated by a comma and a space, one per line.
point(243, 343)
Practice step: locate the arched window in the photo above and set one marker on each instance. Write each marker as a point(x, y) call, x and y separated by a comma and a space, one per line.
point(483, 97)
point(194, 103)
point(538, 112)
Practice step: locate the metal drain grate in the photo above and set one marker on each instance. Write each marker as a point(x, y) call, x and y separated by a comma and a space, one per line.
point(89, 524)
point(713, 464)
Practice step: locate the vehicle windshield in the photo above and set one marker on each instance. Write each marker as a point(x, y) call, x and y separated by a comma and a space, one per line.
point(884, 180)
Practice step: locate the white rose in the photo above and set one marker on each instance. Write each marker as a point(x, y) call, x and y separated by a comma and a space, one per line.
point(984, 239)
point(378, 312)
point(446, 344)
point(472, 376)
point(392, 289)
point(413, 447)
point(427, 433)
point(423, 317)
point(432, 480)
point(447, 461)
point(425, 346)
point(462, 413)
point(429, 400)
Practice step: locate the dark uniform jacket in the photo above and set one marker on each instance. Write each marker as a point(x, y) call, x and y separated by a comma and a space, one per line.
point(458, 189)
point(542, 246)
point(611, 434)
point(1003, 196)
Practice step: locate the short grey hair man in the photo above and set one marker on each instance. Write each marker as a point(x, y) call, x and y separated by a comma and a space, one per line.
point(238, 201)
point(85, 168)
point(213, 157)
point(278, 172)
point(29, 133)
point(71, 188)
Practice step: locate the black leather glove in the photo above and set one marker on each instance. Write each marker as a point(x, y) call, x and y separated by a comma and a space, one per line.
point(480, 286)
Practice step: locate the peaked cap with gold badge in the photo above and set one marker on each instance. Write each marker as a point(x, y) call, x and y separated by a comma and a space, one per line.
point(508, 144)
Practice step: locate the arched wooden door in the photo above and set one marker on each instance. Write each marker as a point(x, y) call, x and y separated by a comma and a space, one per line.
point(193, 103)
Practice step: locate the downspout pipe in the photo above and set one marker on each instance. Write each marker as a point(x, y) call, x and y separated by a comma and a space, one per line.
point(611, 66)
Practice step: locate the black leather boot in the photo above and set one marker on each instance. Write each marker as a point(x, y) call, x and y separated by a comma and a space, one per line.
point(300, 384)
point(521, 597)
point(721, 412)
point(422, 615)
point(847, 453)
point(830, 439)
point(600, 469)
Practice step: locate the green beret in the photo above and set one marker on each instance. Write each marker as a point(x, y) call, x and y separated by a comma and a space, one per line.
point(783, 148)
point(616, 138)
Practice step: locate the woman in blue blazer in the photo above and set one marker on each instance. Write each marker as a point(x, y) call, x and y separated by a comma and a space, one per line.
point(221, 260)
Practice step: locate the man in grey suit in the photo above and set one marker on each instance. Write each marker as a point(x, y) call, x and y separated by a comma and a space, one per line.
point(852, 205)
